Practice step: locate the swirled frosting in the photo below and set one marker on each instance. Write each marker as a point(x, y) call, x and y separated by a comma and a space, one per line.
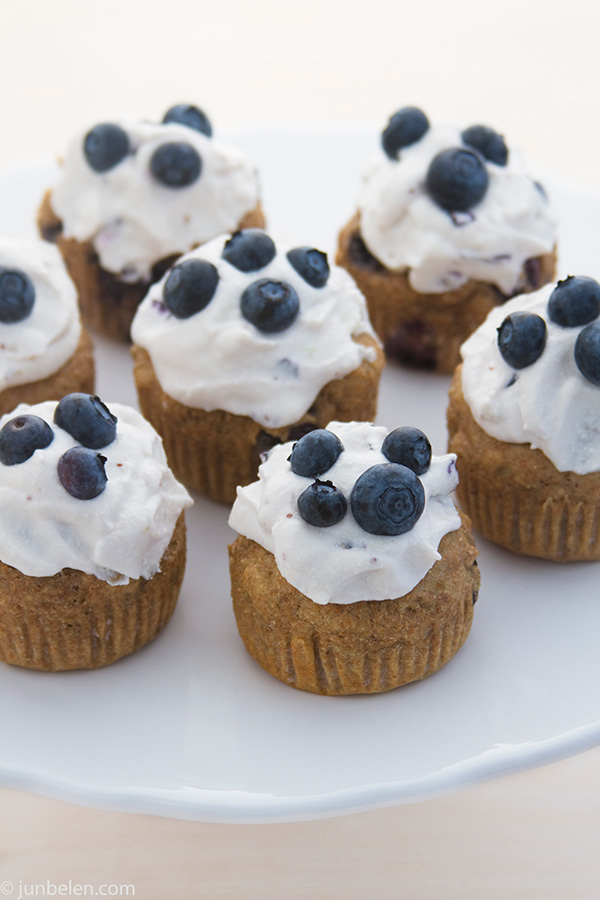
point(133, 220)
point(343, 563)
point(217, 359)
point(549, 404)
point(406, 231)
point(120, 534)
point(38, 345)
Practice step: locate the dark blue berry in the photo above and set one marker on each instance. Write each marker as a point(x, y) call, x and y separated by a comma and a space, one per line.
point(21, 437)
point(176, 164)
point(587, 352)
point(409, 447)
point(310, 264)
point(489, 143)
point(190, 287)
point(457, 179)
point(81, 473)
point(521, 339)
point(322, 505)
point(574, 301)
point(406, 127)
point(86, 419)
point(387, 499)
point(105, 146)
point(192, 116)
point(249, 250)
point(271, 306)
point(315, 453)
point(17, 295)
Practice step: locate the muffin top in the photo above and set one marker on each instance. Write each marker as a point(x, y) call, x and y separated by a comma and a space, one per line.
point(531, 373)
point(39, 316)
point(252, 327)
point(85, 487)
point(141, 192)
point(351, 512)
point(448, 206)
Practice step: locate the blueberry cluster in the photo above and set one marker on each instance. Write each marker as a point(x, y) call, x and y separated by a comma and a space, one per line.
point(80, 469)
point(17, 295)
point(387, 499)
point(174, 164)
point(270, 305)
point(574, 303)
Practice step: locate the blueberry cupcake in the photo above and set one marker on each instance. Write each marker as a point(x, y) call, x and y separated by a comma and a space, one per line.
point(132, 196)
point(246, 343)
point(92, 536)
point(524, 421)
point(353, 572)
point(449, 225)
point(44, 351)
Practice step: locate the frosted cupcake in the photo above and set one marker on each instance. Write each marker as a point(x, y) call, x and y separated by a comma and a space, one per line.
point(132, 196)
point(44, 351)
point(353, 571)
point(244, 344)
point(524, 421)
point(92, 536)
point(449, 225)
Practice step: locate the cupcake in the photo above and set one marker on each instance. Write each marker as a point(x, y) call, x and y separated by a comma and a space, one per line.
point(353, 572)
point(92, 536)
point(524, 421)
point(133, 196)
point(244, 344)
point(44, 351)
point(449, 225)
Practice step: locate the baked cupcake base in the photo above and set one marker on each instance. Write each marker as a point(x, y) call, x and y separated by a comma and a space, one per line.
point(73, 620)
point(358, 648)
point(426, 330)
point(516, 497)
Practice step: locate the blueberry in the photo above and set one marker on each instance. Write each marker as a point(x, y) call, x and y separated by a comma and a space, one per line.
point(387, 499)
point(249, 250)
point(456, 179)
point(17, 295)
point(192, 116)
point(310, 264)
point(489, 143)
point(176, 164)
point(81, 473)
point(86, 419)
point(21, 437)
point(574, 301)
point(322, 505)
point(315, 453)
point(271, 306)
point(190, 287)
point(521, 339)
point(105, 146)
point(406, 127)
point(587, 352)
point(408, 447)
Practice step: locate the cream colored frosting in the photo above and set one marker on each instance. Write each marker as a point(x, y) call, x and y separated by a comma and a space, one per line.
point(343, 563)
point(549, 404)
point(120, 534)
point(216, 359)
point(405, 230)
point(132, 220)
point(39, 345)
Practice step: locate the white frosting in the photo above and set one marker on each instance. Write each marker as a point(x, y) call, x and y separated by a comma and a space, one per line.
point(132, 220)
point(405, 230)
point(343, 563)
point(39, 345)
point(216, 359)
point(120, 534)
point(550, 405)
